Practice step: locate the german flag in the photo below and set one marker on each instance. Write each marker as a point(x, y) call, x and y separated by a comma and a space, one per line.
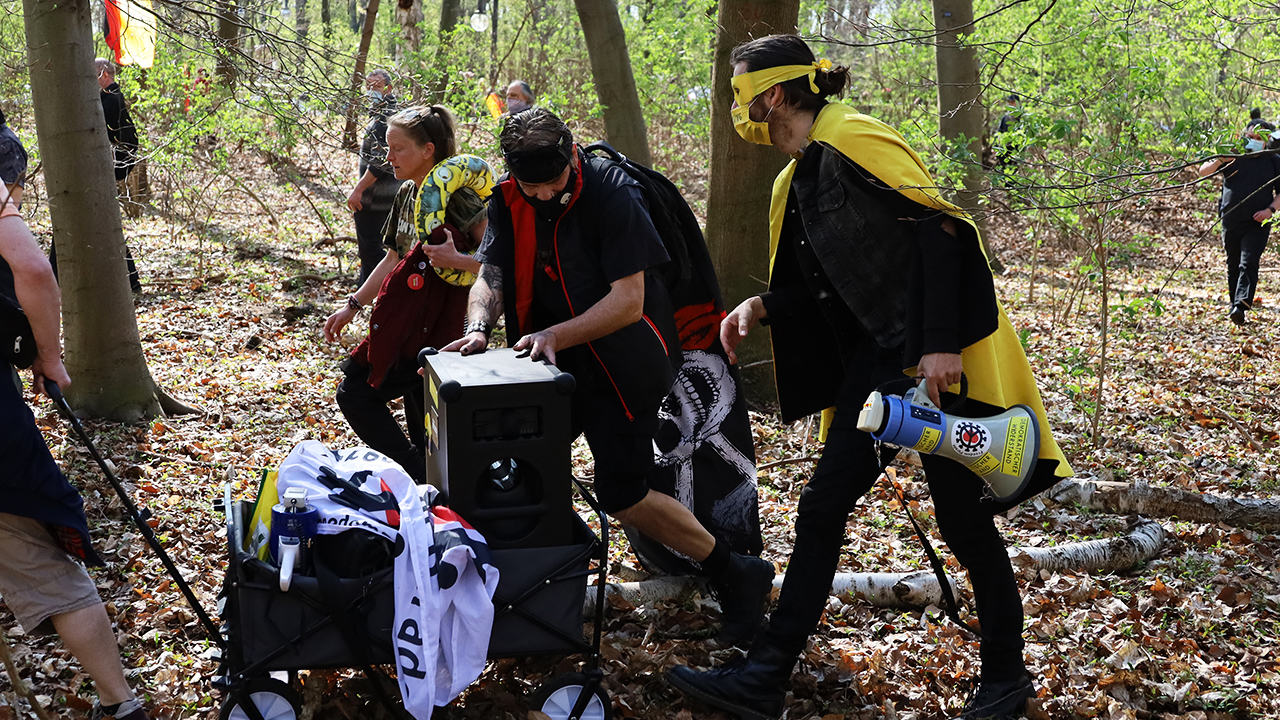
point(131, 31)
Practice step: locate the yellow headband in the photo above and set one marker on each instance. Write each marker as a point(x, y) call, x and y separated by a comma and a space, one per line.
point(748, 85)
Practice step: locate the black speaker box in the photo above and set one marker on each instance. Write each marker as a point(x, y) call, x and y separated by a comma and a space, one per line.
point(498, 439)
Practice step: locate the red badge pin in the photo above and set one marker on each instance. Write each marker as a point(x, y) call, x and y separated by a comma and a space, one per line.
point(416, 282)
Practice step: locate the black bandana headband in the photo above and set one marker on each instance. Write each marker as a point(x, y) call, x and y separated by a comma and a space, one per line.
point(539, 165)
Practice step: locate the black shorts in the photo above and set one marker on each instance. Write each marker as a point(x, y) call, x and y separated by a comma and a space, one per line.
point(622, 448)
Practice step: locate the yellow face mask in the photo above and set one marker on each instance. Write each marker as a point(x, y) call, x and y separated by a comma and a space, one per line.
point(748, 129)
point(748, 86)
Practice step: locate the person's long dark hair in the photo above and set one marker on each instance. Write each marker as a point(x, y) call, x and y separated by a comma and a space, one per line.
point(775, 50)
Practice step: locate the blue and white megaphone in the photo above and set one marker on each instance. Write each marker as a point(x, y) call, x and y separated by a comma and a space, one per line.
point(1001, 449)
point(294, 524)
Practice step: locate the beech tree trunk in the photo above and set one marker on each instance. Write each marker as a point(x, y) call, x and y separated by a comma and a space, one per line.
point(961, 118)
point(104, 357)
point(224, 65)
point(742, 181)
point(450, 16)
point(921, 589)
point(357, 75)
point(300, 21)
point(1127, 498)
point(615, 83)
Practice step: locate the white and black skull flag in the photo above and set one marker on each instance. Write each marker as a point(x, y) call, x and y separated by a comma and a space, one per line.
point(703, 447)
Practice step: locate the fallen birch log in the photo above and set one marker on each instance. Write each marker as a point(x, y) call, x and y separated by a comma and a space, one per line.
point(921, 589)
point(1125, 498)
point(1119, 553)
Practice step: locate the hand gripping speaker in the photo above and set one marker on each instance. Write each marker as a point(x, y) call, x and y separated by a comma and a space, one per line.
point(1001, 449)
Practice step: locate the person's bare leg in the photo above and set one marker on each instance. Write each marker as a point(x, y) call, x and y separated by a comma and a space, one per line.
point(87, 634)
point(668, 521)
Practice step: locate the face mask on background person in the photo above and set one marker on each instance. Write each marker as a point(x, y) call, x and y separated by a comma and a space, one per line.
point(1253, 145)
point(748, 129)
point(516, 105)
point(375, 96)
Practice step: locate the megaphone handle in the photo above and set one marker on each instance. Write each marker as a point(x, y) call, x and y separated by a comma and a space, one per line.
point(964, 393)
point(960, 399)
point(288, 558)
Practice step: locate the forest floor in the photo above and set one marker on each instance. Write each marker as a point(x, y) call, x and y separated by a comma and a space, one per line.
point(1189, 401)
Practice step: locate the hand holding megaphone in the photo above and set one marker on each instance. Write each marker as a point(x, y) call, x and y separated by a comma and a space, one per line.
point(1001, 449)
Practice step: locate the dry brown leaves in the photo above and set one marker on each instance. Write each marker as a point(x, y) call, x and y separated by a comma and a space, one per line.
point(1192, 634)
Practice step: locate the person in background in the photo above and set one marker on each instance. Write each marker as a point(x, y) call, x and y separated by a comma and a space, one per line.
point(121, 131)
point(416, 305)
point(13, 166)
point(123, 137)
point(1249, 188)
point(370, 200)
point(520, 97)
point(1006, 148)
point(42, 524)
point(873, 278)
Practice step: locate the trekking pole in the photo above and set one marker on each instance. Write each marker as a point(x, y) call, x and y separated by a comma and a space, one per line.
point(139, 516)
point(15, 679)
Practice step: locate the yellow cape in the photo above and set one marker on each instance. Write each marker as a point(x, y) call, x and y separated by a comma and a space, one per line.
point(998, 371)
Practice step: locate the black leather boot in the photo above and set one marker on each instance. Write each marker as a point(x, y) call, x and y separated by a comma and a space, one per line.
point(742, 589)
point(999, 699)
point(752, 687)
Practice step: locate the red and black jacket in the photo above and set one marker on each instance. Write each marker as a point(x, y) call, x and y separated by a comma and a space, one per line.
point(635, 364)
point(415, 309)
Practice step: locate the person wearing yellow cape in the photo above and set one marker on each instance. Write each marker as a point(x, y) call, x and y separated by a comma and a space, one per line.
point(872, 274)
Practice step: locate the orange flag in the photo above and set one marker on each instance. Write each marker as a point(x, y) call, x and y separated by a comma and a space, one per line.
point(494, 104)
point(131, 31)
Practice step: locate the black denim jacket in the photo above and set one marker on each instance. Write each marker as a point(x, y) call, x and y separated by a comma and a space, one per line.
point(908, 283)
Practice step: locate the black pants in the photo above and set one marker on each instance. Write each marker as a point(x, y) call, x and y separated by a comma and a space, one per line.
point(845, 473)
point(366, 410)
point(135, 284)
point(369, 224)
point(1244, 244)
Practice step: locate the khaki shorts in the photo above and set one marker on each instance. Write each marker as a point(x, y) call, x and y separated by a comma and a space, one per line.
point(37, 578)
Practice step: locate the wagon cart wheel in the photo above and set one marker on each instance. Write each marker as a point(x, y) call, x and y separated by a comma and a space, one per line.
point(556, 698)
point(274, 699)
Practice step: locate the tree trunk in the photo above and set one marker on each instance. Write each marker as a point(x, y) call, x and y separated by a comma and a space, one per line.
point(300, 21)
point(225, 66)
point(326, 18)
point(1111, 555)
point(409, 14)
point(615, 83)
point(450, 16)
point(1125, 498)
point(493, 43)
point(357, 75)
point(103, 350)
point(961, 117)
point(921, 589)
point(742, 181)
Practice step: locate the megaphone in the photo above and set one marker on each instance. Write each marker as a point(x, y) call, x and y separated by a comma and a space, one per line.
point(1001, 449)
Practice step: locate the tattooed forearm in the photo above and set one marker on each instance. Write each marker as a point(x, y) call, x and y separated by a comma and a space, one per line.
point(485, 301)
